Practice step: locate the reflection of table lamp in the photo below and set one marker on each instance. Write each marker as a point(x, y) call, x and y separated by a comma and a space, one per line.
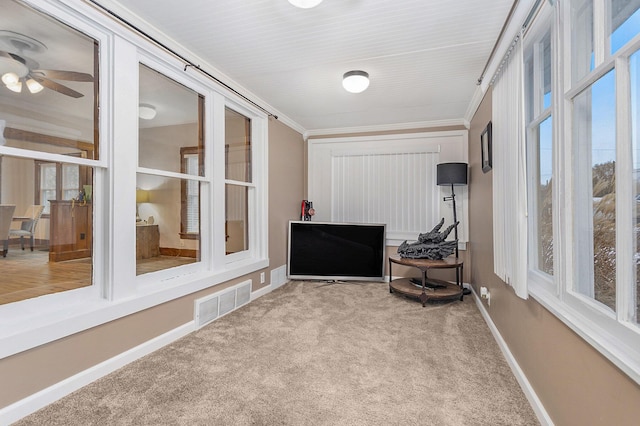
point(454, 174)
point(142, 196)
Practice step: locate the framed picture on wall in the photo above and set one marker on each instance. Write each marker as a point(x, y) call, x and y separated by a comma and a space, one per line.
point(485, 141)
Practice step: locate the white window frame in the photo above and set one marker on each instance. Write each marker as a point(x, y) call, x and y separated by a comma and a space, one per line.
point(117, 292)
point(175, 276)
point(611, 333)
point(256, 195)
point(542, 25)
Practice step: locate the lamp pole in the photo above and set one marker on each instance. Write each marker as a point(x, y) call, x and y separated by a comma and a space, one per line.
point(455, 217)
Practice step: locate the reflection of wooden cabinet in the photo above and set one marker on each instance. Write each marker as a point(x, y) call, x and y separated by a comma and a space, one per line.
point(147, 241)
point(71, 231)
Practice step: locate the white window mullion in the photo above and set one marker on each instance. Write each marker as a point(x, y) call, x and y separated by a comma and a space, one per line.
point(600, 48)
point(625, 220)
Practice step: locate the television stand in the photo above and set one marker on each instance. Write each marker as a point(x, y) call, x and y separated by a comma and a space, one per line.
point(430, 288)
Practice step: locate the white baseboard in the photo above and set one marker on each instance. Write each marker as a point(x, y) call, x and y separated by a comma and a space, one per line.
point(259, 293)
point(33, 403)
point(532, 397)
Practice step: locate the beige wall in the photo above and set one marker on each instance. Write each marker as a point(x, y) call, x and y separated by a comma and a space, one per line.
point(286, 186)
point(30, 371)
point(576, 384)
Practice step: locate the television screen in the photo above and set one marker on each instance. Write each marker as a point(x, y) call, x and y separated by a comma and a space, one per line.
point(336, 251)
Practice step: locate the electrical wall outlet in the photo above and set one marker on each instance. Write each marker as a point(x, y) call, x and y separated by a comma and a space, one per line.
point(261, 277)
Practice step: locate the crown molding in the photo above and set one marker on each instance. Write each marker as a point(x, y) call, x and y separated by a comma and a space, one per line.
point(388, 127)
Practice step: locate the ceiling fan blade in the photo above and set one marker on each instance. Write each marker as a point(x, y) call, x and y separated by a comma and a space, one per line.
point(50, 84)
point(64, 75)
point(12, 56)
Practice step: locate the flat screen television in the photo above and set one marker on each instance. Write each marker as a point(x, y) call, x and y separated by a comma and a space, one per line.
point(336, 251)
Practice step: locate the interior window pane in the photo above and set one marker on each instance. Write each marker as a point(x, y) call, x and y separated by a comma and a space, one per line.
point(595, 137)
point(56, 110)
point(238, 146)
point(625, 22)
point(169, 119)
point(545, 197)
point(582, 59)
point(158, 242)
point(635, 135)
point(236, 224)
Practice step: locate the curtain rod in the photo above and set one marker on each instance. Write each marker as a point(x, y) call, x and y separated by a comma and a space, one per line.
point(527, 21)
point(188, 63)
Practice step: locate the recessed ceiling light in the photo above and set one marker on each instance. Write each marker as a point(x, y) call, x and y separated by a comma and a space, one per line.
point(305, 4)
point(355, 81)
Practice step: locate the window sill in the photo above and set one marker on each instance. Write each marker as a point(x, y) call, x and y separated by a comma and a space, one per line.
point(34, 322)
point(615, 341)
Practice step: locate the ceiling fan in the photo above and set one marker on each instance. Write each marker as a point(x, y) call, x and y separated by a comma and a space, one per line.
point(19, 70)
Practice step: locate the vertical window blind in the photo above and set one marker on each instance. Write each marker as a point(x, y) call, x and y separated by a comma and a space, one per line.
point(398, 189)
point(509, 175)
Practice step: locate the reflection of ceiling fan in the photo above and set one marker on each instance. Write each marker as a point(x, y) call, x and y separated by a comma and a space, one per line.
point(19, 70)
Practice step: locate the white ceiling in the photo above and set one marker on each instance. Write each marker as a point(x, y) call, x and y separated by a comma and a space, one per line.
point(423, 56)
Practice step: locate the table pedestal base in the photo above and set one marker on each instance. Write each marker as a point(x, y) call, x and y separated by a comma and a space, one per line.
point(444, 291)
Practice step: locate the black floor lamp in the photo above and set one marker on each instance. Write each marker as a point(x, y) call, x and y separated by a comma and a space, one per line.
point(454, 174)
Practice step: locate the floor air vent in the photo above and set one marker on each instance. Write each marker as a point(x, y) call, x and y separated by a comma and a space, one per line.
point(218, 304)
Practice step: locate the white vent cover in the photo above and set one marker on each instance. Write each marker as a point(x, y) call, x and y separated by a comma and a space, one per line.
point(227, 302)
point(243, 295)
point(218, 304)
point(206, 310)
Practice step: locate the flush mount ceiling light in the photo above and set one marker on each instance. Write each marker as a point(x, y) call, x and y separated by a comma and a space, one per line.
point(146, 111)
point(355, 81)
point(305, 4)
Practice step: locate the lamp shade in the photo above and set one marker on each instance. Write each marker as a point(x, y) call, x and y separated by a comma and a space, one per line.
point(142, 196)
point(452, 174)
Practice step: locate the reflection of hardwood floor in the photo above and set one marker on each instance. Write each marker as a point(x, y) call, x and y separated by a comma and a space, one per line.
point(144, 266)
point(26, 274)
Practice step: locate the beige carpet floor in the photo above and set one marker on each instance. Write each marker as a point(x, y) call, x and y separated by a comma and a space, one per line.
point(313, 353)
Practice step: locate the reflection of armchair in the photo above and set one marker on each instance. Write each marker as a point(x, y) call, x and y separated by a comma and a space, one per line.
point(29, 223)
point(6, 214)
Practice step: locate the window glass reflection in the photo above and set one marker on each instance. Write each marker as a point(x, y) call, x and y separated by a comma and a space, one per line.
point(595, 136)
point(236, 225)
point(237, 146)
point(158, 235)
point(169, 119)
point(625, 22)
point(49, 81)
point(635, 137)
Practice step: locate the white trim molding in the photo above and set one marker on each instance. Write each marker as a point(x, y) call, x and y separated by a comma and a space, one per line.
point(529, 392)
